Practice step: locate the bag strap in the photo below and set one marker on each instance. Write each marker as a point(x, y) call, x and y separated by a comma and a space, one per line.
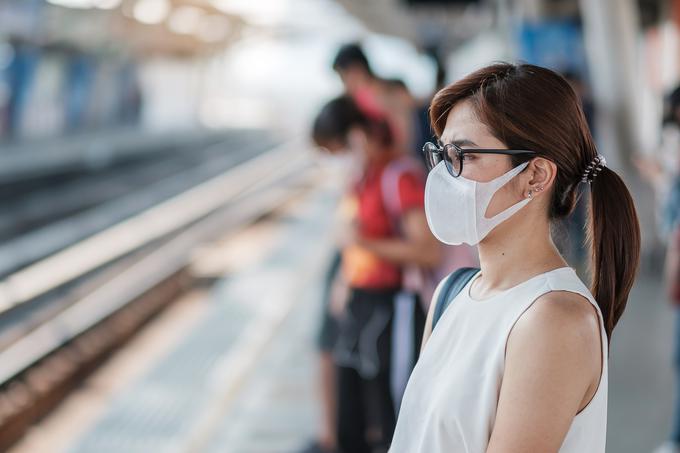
point(389, 186)
point(454, 284)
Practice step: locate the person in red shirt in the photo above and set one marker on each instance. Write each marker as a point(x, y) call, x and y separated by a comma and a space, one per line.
point(368, 262)
point(376, 98)
point(379, 242)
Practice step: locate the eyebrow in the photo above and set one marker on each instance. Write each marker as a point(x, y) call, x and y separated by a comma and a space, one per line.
point(462, 142)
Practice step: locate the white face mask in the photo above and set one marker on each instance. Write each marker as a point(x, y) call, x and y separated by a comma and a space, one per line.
point(455, 207)
point(342, 162)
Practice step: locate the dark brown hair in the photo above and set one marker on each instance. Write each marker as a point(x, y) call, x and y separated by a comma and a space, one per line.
point(529, 107)
point(341, 114)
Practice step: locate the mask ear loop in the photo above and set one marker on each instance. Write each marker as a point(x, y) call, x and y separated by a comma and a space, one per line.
point(496, 184)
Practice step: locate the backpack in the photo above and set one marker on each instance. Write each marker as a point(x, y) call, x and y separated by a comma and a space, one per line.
point(452, 286)
point(419, 280)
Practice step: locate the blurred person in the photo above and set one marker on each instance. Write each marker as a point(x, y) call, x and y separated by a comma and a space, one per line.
point(518, 362)
point(370, 93)
point(662, 171)
point(452, 257)
point(672, 277)
point(423, 131)
point(354, 70)
point(583, 93)
point(419, 127)
point(374, 95)
point(399, 90)
point(334, 297)
point(375, 249)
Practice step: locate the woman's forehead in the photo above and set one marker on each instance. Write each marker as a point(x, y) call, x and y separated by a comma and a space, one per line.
point(463, 125)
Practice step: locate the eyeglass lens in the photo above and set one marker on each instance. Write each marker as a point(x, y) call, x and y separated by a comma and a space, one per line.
point(435, 154)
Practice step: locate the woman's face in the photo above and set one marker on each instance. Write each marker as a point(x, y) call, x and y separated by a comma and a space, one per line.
point(465, 130)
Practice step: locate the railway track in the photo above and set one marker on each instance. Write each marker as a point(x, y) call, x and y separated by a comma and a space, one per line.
point(61, 316)
point(41, 216)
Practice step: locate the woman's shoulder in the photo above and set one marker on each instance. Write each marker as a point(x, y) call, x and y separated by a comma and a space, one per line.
point(560, 322)
point(563, 310)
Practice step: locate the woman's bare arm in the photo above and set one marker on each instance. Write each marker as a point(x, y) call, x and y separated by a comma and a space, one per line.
point(553, 365)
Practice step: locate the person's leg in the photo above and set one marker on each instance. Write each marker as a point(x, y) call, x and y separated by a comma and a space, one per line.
point(402, 350)
point(328, 439)
point(351, 418)
point(388, 419)
point(675, 430)
point(380, 392)
point(673, 443)
point(671, 270)
point(408, 323)
point(419, 326)
point(378, 397)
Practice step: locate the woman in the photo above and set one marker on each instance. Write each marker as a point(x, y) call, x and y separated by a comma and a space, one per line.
point(518, 361)
point(376, 245)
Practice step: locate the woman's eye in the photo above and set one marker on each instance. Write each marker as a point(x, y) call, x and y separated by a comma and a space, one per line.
point(468, 156)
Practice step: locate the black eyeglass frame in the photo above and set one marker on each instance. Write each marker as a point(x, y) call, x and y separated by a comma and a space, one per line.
point(434, 154)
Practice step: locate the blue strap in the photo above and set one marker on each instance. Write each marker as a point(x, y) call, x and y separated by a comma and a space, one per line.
point(453, 285)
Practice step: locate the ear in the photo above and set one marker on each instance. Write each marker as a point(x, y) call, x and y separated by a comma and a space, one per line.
point(541, 175)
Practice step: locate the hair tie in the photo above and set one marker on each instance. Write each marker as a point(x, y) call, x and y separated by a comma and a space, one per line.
point(594, 167)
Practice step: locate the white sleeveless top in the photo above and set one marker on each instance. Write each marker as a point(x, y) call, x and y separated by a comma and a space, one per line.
point(451, 398)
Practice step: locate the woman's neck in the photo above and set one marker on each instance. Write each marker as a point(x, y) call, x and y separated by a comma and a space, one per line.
point(508, 259)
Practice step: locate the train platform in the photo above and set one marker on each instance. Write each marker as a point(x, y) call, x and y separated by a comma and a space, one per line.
point(232, 366)
point(228, 368)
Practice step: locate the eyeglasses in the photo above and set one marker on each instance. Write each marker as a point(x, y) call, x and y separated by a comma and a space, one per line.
point(453, 155)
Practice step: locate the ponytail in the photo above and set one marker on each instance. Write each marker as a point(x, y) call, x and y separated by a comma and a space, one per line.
point(614, 238)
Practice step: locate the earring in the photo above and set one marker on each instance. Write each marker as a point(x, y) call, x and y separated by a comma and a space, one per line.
point(539, 188)
point(530, 195)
